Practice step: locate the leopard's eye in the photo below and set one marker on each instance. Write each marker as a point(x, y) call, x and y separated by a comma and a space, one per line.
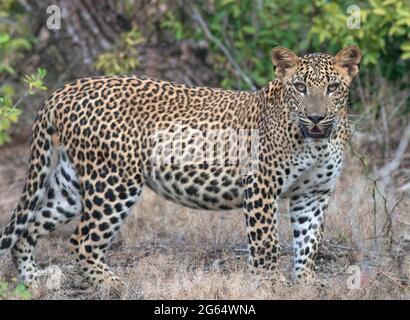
point(332, 87)
point(300, 87)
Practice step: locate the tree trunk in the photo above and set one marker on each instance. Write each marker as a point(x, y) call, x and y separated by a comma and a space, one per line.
point(87, 27)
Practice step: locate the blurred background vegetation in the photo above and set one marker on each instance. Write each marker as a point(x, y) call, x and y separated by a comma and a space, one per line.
point(206, 42)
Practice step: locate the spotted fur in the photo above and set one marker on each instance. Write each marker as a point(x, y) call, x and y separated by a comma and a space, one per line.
point(101, 130)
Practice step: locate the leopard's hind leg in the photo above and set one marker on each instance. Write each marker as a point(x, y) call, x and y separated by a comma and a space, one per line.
point(107, 200)
point(62, 202)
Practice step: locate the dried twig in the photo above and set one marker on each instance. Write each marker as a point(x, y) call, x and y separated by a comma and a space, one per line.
point(402, 222)
point(396, 281)
point(377, 191)
point(25, 95)
point(398, 106)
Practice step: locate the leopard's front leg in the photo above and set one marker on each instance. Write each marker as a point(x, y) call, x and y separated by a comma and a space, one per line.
point(260, 211)
point(307, 217)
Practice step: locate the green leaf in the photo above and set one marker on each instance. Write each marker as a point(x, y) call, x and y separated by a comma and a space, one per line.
point(41, 72)
point(405, 56)
point(227, 2)
point(379, 11)
point(405, 46)
point(19, 44)
point(13, 114)
point(7, 69)
point(22, 291)
point(4, 37)
point(249, 29)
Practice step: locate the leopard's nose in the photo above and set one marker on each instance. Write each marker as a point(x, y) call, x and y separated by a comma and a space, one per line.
point(315, 117)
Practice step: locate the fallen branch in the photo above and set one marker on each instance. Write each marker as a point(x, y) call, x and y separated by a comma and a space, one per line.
point(393, 165)
point(396, 281)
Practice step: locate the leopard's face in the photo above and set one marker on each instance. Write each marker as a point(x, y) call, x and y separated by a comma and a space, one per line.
point(316, 95)
point(316, 88)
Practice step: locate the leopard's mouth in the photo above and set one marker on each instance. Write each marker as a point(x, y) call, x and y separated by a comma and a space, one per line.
point(315, 132)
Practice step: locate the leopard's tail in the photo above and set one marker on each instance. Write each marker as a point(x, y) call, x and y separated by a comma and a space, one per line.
point(35, 186)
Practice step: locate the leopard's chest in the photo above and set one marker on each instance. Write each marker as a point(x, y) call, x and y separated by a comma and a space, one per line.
point(314, 168)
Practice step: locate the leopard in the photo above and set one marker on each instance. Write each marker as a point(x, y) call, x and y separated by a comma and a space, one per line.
point(98, 141)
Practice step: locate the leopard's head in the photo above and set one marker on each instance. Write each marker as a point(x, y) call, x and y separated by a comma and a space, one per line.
point(316, 87)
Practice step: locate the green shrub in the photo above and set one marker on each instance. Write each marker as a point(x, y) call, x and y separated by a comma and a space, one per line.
point(14, 290)
point(9, 111)
point(124, 57)
point(250, 29)
point(15, 37)
point(384, 34)
point(15, 41)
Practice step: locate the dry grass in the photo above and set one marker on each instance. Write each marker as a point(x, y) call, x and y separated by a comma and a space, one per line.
point(166, 251)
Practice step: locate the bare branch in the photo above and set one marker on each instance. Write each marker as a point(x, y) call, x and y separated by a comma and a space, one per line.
point(393, 165)
point(200, 20)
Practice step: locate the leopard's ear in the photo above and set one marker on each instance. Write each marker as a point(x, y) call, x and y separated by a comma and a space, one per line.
point(347, 61)
point(285, 62)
